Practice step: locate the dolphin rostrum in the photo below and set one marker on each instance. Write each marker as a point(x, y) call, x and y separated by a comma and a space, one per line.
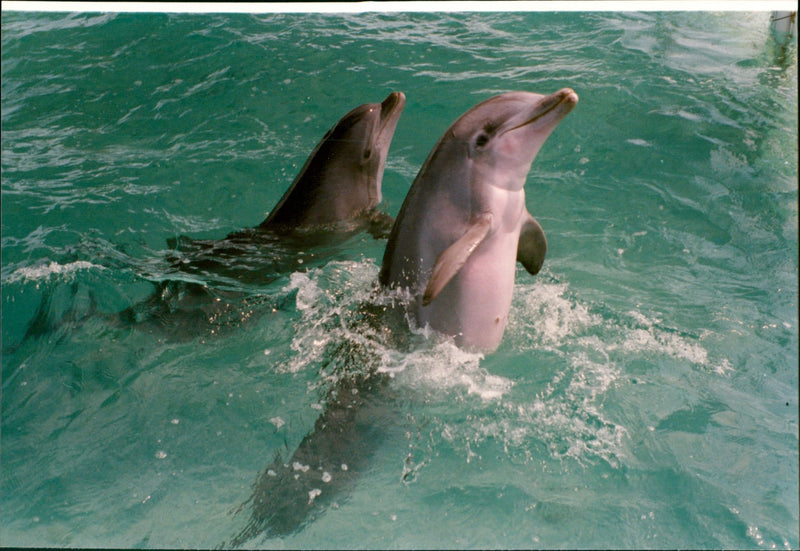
point(464, 224)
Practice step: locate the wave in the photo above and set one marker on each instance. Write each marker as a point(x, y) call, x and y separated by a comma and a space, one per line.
point(46, 270)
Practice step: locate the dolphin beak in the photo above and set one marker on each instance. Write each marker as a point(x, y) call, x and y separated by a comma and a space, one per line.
point(564, 100)
point(559, 103)
point(391, 108)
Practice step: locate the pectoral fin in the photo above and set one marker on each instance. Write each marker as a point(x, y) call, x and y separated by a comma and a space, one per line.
point(532, 245)
point(450, 261)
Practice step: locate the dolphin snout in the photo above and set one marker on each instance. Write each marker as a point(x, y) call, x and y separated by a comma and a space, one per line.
point(569, 96)
point(550, 109)
point(564, 98)
point(395, 100)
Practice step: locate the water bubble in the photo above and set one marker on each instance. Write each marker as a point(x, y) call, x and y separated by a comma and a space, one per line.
point(297, 466)
point(277, 421)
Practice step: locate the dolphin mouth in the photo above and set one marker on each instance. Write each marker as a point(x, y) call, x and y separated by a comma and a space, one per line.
point(562, 102)
point(390, 109)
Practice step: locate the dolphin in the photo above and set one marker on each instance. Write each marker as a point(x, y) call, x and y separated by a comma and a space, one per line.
point(464, 223)
point(334, 196)
point(454, 246)
point(327, 463)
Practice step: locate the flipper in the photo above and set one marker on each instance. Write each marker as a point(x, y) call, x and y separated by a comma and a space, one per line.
point(532, 245)
point(450, 261)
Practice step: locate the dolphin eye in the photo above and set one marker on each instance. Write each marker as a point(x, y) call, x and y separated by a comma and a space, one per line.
point(482, 139)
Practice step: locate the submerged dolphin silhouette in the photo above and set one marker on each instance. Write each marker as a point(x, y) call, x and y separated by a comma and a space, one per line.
point(464, 224)
point(326, 464)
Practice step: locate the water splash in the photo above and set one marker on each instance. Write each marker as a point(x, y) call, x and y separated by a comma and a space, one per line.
point(339, 305)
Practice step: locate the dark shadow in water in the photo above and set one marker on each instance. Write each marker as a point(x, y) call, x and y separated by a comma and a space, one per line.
point(783, 27)
point(360, 408)
point(325, 466)
point(209, 287)
point(257, 256)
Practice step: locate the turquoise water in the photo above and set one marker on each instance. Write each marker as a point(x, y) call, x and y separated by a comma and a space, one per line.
point(646, 390)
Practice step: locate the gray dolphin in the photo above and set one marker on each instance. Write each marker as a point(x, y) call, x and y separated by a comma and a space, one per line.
point(454, 245)
point(464, 224)
point(327, 463)
point(333, 197)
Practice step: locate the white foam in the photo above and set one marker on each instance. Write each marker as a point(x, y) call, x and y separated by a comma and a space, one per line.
point(328, 299)
point(593, 350)
point(651, 340)
point(445, 367)
point(546, 316)
point(44, 271)
point(571, 425)
point(307, 290)
point(595, 372)
point(654, 340)
point(308, 341)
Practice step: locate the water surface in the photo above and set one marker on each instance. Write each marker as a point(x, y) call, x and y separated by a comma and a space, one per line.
point(646, 391)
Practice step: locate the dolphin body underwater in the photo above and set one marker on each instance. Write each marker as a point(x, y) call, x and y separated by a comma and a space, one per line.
point(454, 248)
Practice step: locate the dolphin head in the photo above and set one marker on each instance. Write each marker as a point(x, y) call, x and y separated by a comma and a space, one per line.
point(342, 176)
point(363, 137)
point(503, 134)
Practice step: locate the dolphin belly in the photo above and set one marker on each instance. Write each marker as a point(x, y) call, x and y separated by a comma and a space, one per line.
point(474, 305)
